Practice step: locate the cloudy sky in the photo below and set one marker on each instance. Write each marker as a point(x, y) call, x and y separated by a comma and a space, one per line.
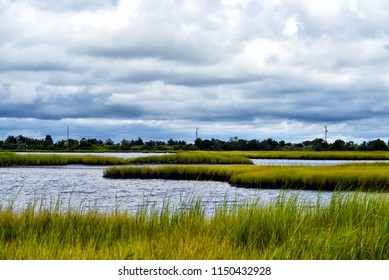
point(254, 69)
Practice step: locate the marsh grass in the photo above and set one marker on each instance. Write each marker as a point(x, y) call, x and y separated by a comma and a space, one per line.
point(311, 155)
point(362, 176)
point(241, 157)
point(192, 157)
point(350, 226)
point(12, 159)
point(199, 157)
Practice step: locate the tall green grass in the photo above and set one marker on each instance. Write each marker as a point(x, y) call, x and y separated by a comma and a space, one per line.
point(351, 227)
point(363, 176)
point(12, 159)
point(9, 159)
point(243, 157)
point(192, 158)
point(220, 156)
point(311, 155)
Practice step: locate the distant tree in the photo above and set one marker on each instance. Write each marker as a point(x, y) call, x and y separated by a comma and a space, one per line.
point(125, 144)
point(171, 142)
point(73, 144)
point(269, 144)
point(203, 144)
point(339, 145)
point(363, 146)
point(138, 142)
point(253, 145)
point(109, 142)
point(351, 146)
point(48, 140)
point(85, 144)
point(60, 145)
point(151, 144)
point(10, 143)
point(11, 140)
point(377, 145)
point(46, 144)
point(317, 144)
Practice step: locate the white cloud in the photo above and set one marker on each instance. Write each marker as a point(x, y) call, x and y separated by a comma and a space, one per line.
point(322, 9)
point(111, 19)
point(237, 65)
point(291, 26)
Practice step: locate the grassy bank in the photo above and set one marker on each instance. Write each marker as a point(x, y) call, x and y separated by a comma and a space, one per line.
point(199, 157)
point(243, 157)
point(12, 159)
point(192, 157)
point(314, 155)
point(351, 227)
point(362, 176)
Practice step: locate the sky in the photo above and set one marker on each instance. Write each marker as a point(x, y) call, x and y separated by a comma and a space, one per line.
point(253, 69)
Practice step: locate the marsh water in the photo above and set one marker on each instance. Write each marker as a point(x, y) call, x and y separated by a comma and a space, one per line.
point(83, 187)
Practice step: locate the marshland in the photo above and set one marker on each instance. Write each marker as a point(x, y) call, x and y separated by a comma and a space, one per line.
point(352, 227)
point(360, 176)
point(196, 205)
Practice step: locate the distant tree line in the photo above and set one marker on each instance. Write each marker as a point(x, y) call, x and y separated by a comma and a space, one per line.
point(91, 144)
point(20, 143)
point(269, 144)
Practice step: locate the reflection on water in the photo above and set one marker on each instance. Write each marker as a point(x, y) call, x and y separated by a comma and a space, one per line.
point(84, 186)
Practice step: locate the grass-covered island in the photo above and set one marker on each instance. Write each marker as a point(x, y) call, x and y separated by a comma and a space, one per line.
point(15, 159)
point(184, 157)
point(243, 157)
point(354, 176)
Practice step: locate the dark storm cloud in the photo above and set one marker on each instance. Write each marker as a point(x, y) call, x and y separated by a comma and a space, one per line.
point(78, 105)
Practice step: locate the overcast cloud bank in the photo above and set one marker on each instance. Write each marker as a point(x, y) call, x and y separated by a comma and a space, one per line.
point(159, 69)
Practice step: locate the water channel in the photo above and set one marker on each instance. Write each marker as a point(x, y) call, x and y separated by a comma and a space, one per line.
point(83, 187)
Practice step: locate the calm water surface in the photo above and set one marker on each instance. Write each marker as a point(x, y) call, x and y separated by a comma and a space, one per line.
point(84, 187)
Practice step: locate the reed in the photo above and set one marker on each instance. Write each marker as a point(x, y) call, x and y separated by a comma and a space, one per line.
point(243, 157)
point(192, 158)
point(362, 176)
point(12, 159)
point(311, 155)
point(352, 226)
